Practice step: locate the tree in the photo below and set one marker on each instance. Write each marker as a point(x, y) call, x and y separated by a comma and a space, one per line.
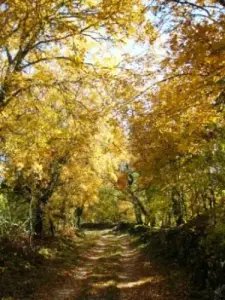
point(39, 37)
point(177, 130)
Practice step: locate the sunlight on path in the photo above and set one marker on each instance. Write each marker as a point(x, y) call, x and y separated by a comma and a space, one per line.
point(114, 270)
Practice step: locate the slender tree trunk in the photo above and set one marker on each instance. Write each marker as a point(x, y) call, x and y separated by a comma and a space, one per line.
point(78, 214)
point(184, 204)
point(204, 202)
point(38, 220)
point(52, 227)
point(213, 205)
point(137, 213)
point(31, 221)
point(177, 207)
point(139, 208)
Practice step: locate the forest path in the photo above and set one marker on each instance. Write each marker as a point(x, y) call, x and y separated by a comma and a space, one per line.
point(113, 269)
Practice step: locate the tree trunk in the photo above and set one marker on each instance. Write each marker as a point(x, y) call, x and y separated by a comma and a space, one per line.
point(177, 207)
point(137, 213)
point(52, 227)
point(78, 213)
point(38, 221)
point(139, 208)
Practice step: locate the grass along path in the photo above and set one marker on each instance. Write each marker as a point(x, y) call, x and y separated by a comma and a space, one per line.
point(113, 269)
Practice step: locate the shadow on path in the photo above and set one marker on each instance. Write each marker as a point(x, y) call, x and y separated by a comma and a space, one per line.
point(113, 269)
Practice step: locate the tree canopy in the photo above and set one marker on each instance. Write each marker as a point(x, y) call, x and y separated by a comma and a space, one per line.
point(116, 104)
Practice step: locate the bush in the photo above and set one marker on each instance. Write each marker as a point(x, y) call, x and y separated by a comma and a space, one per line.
point(201, 249)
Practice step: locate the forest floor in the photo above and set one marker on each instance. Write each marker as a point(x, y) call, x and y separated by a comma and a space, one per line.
point(102, 265)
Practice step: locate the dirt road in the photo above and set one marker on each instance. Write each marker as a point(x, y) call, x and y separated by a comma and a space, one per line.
point(113, 269)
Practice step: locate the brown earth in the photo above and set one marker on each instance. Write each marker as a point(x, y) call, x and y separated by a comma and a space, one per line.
point(113, 269)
